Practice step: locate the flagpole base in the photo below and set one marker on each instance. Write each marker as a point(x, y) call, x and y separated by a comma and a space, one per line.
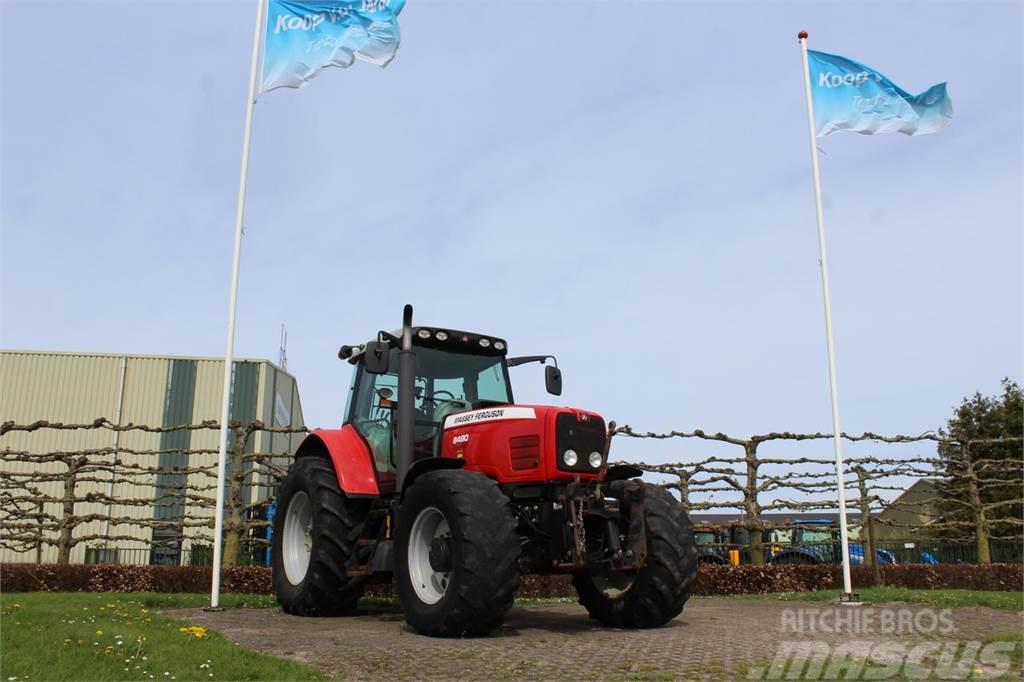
point(850, 599)
point(213, 609)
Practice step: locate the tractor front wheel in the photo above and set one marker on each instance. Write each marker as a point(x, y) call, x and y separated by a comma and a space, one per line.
point(456, 554)
point(656, 593)
point(315, 531)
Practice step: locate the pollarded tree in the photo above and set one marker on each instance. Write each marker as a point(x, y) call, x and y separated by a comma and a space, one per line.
point(982, 487)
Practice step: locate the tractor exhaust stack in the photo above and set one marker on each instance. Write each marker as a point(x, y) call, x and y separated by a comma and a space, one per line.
point(406, 398)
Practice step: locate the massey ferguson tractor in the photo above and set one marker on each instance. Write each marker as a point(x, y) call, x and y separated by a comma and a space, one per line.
point(440, 482)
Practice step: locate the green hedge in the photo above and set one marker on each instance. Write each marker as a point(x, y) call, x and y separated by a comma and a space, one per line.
point(715, 579)
point(711, 579)
point(126, 578)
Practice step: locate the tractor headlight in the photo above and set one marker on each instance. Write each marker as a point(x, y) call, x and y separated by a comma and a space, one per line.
point(570, 458)
point(442, 336)
point(484, 343)
point(423, 333)
point(499, 345)
point(595, 460)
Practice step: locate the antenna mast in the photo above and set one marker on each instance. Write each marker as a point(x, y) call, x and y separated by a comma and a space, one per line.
point(282, 356)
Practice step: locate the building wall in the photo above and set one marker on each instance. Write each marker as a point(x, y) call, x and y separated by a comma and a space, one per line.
point(157, 391)
point(913, 511)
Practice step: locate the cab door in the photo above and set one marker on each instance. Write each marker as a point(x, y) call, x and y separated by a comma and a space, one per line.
point(374, 399)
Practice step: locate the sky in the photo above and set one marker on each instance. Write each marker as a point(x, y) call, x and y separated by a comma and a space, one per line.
point(625, 185)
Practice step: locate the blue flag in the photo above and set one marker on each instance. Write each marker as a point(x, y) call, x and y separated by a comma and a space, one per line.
point(852, 97)
point(303, 37)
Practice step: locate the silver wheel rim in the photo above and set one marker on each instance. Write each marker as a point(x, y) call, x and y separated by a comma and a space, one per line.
point(430, 585)
point(297, 538)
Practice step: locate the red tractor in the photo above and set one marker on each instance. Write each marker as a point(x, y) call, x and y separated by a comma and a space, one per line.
point(439, 482)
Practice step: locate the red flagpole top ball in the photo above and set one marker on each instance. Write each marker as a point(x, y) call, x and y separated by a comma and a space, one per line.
point(802, 35)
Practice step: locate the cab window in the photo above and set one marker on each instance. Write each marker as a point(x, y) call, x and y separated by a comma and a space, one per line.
point(446, 383)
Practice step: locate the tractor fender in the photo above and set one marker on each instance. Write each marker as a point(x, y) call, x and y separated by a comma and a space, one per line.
point(350, 456)
point(432, 464)
point(620, 472)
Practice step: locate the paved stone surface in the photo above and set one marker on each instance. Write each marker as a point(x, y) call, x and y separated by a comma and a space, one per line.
point(709, 640)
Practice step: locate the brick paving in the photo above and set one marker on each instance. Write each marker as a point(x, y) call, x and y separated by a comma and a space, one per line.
point(556, 642)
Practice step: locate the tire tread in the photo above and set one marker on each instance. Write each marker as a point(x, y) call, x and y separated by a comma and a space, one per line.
point(337, 522)
point(662, 586)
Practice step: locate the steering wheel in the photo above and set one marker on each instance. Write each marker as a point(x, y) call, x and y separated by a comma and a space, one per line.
point(433, 398)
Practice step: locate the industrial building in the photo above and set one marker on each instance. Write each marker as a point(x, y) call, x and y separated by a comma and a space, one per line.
point(156, 391)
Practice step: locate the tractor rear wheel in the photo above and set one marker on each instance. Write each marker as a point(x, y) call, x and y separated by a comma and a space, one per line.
point(456, 554)
point(655, 594)
point(315, 531)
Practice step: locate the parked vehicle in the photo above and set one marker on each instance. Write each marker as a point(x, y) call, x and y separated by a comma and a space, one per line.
point(816, 541)
point(722, 545)
point(440, 482)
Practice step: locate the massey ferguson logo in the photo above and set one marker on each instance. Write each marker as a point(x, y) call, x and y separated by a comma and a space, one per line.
point(477, 416)
point(488, 415)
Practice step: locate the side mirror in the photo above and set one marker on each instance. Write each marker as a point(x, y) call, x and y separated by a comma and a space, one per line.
point(375, 359)
point(553, 380)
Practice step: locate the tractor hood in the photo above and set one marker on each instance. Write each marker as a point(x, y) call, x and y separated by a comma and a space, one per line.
point(527, 442)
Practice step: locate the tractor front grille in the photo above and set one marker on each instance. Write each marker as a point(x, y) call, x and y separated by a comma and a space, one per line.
point(582, 433)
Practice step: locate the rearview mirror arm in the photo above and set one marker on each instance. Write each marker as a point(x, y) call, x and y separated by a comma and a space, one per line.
point(514, 362)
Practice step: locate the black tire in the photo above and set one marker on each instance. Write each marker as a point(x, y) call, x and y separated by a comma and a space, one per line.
point(659, 590)
point(793, 559)
point(482, 551)
point(324, 590)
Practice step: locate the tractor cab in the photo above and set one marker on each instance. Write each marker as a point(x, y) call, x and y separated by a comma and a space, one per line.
point(456, 371)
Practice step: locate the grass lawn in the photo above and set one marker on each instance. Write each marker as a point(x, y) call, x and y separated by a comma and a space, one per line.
point(1012, 601)
point(114, 636)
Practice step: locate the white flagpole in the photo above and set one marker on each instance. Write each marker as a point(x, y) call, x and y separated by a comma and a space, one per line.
point(823, 255)
point(250, 105)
